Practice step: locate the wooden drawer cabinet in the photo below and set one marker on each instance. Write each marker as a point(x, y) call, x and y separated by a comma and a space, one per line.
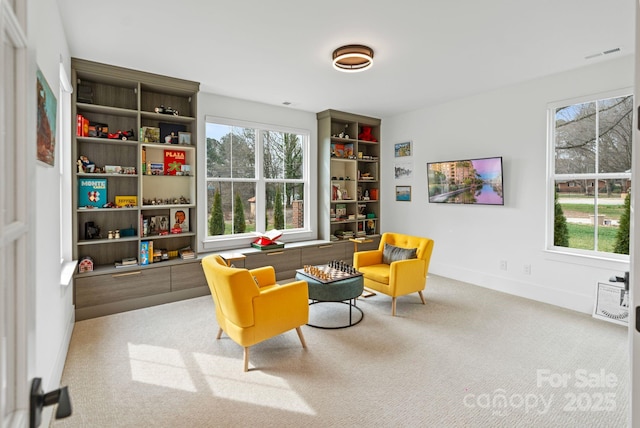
point(284, 261)
point(188, 275)
point(323, 253)
point(121, 286)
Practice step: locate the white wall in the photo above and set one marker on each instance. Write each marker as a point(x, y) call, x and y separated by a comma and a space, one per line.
point(471, 240)
point(53, 302)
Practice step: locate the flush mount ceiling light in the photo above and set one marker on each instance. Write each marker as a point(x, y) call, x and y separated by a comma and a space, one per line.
point(352, 58)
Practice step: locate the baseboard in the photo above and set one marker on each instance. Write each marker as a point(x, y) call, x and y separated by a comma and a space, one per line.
point(528, 290)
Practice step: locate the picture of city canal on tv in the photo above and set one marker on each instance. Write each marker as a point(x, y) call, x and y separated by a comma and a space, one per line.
point(471, 181)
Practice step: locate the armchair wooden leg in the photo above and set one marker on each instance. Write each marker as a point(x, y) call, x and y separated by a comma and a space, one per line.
point(422, 297)
point(246, 358)
point(299, 331)
point(393, 306)
point(219, 334)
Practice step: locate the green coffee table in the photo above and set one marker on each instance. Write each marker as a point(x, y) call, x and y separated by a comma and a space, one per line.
point(344, 291)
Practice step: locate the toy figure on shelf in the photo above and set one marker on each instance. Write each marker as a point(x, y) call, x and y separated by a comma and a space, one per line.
point(85, 165)
point(121, 135)
point(366, 135)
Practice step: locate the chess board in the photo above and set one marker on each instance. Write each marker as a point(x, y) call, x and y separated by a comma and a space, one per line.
point(327, 274)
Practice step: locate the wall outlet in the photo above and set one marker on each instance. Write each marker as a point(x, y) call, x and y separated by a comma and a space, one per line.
point(526, 269)
point(503, 265)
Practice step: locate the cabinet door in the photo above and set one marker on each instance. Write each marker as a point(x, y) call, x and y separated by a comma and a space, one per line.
point(119, 286)
point(284, 261)
point(323, 253)
point(188, 275)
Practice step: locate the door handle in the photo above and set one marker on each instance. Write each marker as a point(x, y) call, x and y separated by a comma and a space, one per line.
point(38, 400)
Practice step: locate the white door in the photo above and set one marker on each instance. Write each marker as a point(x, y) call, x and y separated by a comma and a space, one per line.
point(634, 333)
point(15, 220)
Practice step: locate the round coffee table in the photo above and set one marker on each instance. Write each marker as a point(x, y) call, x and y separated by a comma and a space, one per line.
point(344, 291)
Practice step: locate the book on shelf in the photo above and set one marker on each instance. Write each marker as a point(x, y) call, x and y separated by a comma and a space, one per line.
point(126, 262)
point(159, 225)
point(179, 218)
point(127, 201)
point(146, 252)
point(186, 253)
point(348, 150)
point(274, 245)
point(150, 134)
point(267, 238)
point(173, 161)
point(92, 192)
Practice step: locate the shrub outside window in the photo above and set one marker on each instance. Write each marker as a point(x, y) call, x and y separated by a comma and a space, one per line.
point(590, 176)
point(255, 178)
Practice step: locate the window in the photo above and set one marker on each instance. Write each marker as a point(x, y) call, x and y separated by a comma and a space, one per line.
point(256, 179)
point(590, 180)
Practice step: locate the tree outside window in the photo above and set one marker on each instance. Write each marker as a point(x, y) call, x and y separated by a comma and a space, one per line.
point(592, 172)
point(259, 175)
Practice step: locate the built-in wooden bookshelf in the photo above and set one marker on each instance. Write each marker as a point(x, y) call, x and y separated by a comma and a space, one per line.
point(349, 174)
point(115, 104)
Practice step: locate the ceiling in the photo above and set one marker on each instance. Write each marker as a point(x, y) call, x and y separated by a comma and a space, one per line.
point(426, 51)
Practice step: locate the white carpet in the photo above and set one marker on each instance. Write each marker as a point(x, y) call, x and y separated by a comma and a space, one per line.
point(470, 357)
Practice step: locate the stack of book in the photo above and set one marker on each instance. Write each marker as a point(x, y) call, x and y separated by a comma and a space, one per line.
point(268, 240)
point(187, 253)
point(129, 261)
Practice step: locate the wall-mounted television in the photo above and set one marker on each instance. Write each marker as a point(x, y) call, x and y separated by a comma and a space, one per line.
point(466, 181)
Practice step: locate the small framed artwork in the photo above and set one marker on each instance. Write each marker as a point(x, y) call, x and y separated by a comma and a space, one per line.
point(402, 150)
point(47, 114)
point(403, 170)
point(184, 138)
point(403, 193)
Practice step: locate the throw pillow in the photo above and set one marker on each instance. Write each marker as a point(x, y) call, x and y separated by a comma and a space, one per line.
point(391, 253)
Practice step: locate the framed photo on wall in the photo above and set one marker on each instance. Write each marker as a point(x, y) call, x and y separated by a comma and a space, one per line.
point(403, 193)
point(402, 149)
point(47, 114)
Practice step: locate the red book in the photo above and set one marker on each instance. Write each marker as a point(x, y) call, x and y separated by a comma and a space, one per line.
point(79, 125)
point(173, 161)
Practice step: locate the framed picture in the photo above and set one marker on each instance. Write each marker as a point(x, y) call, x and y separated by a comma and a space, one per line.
point(403, 170)
point(611, 303)
point(403, 193)
point(47, 112)
point(179, 219)
point(184, 137)
point(402, 149)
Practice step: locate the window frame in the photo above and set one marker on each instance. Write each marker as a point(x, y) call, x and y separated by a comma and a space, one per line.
point(551, 178)
point(245, 239)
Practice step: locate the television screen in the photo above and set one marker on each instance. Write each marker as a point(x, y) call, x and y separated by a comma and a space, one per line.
point(468, 181)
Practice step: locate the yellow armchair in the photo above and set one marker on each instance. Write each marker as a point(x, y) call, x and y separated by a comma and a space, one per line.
point(398, 277)
point(251, 306)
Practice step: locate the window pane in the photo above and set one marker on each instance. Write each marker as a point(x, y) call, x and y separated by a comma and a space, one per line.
point(584, 220)
point(230, 151)
point(615, 116)
point(575, 133)
point(285, 206)
point(283, 155)
point(235, 208)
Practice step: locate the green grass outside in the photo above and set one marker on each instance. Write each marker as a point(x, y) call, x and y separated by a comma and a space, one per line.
point(611, 211)
point(581, 236)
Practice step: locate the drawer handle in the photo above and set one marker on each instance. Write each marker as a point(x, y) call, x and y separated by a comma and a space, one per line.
point(325, 246)
point(125, 274)
point(275, 254)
